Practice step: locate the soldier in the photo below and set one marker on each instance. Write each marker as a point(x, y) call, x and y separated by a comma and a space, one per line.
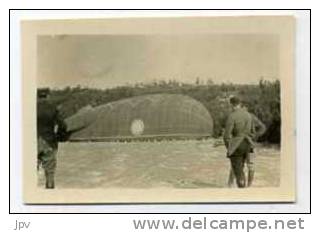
point(50, 129)
point(238, 139)
point(257, 130)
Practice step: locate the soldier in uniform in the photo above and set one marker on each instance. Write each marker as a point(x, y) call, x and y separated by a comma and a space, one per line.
point(257, 129)
point(238, 139)
point(50, 129)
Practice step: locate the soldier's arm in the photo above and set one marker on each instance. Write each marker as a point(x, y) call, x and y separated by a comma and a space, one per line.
point(61, 132)
point(260, 128)
point(228, 130)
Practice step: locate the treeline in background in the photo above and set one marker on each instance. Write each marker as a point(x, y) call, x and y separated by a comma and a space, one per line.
point(262, 99)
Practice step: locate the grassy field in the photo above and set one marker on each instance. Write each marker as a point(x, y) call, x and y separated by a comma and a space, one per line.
point(176, 164)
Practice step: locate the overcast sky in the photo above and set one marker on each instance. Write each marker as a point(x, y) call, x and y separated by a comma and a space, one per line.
point(111, 60)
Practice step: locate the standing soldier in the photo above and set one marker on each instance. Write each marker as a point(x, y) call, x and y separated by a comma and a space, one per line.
point(257, 130)
point(50, 129)
point(238, 139)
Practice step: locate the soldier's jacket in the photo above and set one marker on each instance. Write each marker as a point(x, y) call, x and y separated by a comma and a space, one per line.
point(241, 125)
point(49, 125)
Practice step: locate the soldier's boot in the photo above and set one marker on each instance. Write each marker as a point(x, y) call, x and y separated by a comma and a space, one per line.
point(242, 183)
point(250, 177)
point(49, 181)
point(50, 184)
point(231, 179)
point(241, 180)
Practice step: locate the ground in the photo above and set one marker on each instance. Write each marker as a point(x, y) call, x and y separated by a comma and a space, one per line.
point(176, 164)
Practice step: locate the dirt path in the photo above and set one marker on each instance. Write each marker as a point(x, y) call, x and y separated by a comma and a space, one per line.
point(177, 164)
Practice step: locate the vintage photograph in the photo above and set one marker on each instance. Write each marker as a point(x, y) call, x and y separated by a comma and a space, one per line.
point(184, 115)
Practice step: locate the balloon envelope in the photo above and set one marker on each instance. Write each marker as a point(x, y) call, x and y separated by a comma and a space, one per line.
point(147, 116)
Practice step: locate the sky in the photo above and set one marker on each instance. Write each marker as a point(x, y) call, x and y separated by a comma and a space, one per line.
point(104, 61)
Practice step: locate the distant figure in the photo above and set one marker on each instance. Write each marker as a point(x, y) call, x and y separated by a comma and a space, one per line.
point(257, 129)
point(50, 130)
point(238, 139)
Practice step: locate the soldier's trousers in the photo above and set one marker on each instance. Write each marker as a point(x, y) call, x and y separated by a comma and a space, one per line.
point(249, 162)
point(238, 159)
point(48, 161)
